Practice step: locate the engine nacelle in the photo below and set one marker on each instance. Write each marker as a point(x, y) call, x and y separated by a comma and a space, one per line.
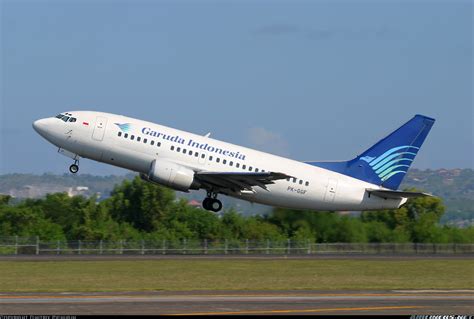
point(171, 175)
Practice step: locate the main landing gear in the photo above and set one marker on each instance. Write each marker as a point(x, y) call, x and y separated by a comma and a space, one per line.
point(74, 168)
point(211, 202)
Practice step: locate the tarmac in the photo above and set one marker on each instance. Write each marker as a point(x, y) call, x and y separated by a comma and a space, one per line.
point(307, 302)
point(394, 302)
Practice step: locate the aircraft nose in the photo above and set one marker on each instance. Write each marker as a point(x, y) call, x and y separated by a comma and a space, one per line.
point(41, 127)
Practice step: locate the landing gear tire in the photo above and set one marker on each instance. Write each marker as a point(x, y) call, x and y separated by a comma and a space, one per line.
point(212, 204)
point(216, 205)
point(206, 203)
point(74, 168)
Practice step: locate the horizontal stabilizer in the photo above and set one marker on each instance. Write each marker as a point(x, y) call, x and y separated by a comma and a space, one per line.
point(385, 193)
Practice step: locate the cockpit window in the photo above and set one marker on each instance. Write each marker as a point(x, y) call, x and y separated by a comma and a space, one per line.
point(66, 118)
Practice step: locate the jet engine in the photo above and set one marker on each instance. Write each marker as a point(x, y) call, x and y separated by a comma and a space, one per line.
point(172, 175)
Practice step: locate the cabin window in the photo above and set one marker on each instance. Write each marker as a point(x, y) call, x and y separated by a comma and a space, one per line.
point(172, 147)
point(190, 152)
point(231, 163)
point(145, 140)
point(184, 151)
point(218, 159)
point(301, 182)
point(203, 155)
point(196, 154)
point(125, 135)
point(158, 144)
point(224, 161)
point(152, 142)
point(138, 138)
point(294, 180)
point(244, 166)
point(132, 137)
point(250, 168)
point(256, 170)
point(178, 149)
point(119, 133)
point(306, 184)
point(210, 158)
point(237, 165)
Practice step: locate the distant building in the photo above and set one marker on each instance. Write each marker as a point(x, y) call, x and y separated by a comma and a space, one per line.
point(78, 190)
point(194, 203)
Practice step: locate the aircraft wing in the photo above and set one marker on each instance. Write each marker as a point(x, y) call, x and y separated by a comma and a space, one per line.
point(238, 181)
point(386, 193)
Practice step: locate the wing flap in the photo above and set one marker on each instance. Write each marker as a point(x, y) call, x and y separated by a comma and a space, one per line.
point(238, 181)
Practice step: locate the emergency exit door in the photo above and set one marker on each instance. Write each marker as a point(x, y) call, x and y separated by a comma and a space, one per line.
point(331, 189)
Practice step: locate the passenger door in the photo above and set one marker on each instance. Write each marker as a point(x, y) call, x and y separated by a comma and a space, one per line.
point(99, 129)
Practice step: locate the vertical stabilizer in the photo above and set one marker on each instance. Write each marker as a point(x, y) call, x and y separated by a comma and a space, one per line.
point(386, 162)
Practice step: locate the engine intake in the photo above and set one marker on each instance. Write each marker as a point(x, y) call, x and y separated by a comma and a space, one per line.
point(172, 175)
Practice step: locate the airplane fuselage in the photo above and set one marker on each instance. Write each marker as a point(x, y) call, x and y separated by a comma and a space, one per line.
point(135, 144)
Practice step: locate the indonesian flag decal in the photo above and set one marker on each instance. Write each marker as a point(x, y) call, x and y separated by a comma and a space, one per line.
point(85, 123)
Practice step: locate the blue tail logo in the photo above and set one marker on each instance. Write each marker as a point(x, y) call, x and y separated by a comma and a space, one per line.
point(392, 162)
point(124, 127)
point(387, 161)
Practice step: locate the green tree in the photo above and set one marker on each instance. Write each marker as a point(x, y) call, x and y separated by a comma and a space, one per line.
point(255, 228)
point(191, 223)
point(141, 204)
point(304, 231)
point(378, 232)
point(68, 212)
point(297, 224)
point(233, 224)
point(418, 219)
point(350, 230)
point(28, 221)
point(4, 199)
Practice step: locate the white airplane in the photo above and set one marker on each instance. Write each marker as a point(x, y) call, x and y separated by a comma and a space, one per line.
point(184, 161)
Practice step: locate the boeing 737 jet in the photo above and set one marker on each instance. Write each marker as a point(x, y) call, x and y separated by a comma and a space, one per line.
point(184, 161)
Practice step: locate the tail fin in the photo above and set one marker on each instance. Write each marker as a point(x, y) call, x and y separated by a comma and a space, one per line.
point(387, 162)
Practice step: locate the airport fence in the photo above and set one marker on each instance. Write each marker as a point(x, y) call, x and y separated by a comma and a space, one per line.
point(34, 246)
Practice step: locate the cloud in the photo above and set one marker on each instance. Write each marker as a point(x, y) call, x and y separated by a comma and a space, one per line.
point(267, 141)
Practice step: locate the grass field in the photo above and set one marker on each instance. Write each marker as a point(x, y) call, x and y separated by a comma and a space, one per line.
point(174, 275)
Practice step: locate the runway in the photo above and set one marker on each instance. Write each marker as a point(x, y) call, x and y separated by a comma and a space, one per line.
point(438, 302)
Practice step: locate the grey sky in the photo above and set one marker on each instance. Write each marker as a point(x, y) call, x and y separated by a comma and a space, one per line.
point(313, 80)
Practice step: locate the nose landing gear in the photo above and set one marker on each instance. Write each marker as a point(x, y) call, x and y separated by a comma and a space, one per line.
point(74, 168)
point(211, 202)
